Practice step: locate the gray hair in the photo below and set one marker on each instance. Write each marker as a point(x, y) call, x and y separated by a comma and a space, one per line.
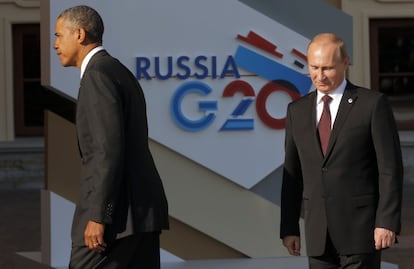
point(87, 18)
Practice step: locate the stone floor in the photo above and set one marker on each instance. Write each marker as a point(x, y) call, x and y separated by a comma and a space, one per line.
point(19, 223)
point(20, 227)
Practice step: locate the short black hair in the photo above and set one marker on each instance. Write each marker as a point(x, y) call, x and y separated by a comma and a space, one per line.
point(87, 18)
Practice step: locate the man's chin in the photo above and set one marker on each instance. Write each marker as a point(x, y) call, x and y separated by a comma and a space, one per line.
point(323, 88)
point(65, 64)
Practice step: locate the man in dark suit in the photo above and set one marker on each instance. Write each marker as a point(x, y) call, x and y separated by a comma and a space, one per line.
point(118, 174)
point(343, 162)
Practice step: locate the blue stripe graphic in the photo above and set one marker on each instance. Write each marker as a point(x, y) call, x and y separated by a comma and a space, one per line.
point(271, 70)
point(207, 105)
point(242, 107)
point(237, 125)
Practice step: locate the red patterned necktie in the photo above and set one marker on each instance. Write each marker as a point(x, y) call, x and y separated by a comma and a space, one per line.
point(324, 126)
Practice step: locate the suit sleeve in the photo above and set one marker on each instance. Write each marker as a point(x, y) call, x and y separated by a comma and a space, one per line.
point(292, 185)
point(107, 145)
point(390, 167)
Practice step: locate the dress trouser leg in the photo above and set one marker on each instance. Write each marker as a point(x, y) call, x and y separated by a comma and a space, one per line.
point(332, 260)
point(131, 252)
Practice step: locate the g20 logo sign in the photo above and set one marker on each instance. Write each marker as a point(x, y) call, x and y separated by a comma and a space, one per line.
point(202, 67)
point(233, 123)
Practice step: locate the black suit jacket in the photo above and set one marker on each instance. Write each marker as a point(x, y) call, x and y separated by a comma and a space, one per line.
point(117, 172)
point(356, 187)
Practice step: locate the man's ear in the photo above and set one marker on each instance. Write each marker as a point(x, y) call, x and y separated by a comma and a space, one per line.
point(81, 36)
point(347, 61)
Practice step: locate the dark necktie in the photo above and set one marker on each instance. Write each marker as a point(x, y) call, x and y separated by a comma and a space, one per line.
point(324, 126)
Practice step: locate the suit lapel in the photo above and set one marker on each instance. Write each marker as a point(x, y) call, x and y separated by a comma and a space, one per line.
point(348, 100)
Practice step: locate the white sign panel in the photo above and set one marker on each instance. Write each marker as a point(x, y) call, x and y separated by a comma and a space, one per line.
point(217, 84)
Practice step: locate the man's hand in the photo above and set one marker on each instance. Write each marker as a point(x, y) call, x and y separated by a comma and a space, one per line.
point(93, 234)
point(292, 243)
point(383, 238)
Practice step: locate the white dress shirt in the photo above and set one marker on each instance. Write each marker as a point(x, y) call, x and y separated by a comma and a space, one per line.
point(336, 96)
point(88, 57)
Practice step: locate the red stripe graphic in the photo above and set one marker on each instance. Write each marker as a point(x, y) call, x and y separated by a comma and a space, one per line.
point(261, 43)
point(300, 54)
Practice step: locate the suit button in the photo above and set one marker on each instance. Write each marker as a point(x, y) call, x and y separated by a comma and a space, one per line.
point(324, 169)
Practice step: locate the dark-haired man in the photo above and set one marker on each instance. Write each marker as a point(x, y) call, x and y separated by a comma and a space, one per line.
point(118, 174)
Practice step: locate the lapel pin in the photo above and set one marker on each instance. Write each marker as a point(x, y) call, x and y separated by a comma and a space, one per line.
point(350, 101)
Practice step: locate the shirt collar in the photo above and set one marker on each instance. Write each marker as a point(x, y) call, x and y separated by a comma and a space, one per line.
point(88, 58)
point(338, 92)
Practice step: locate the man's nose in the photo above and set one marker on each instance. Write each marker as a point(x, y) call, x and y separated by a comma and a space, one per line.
point(321, 75)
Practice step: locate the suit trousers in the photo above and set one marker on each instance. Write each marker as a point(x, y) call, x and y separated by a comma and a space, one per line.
point(130, 252)
point(331, 259)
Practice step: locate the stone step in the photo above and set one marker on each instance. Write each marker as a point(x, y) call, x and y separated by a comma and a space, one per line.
point(24, 260)
point(258, 263)
point(22, 163)
point(32, 260)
